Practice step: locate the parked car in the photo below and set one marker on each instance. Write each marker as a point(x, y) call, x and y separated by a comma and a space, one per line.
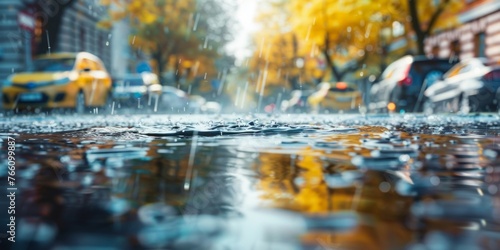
point(471, 85)
point(195, 103)
point(59, 80)
point(404, 81)
point(211, 107)
point(297, 102)
point(335, 97)
point(174, 100)
point(137, 89)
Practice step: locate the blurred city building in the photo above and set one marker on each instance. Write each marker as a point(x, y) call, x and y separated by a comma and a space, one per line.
point(121, 52)
point(478, 34)
point(33, 27)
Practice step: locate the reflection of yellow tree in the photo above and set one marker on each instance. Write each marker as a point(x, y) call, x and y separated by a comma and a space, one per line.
point(313, 193)
point(278, 175)
point(300, 185)
point(276, 180)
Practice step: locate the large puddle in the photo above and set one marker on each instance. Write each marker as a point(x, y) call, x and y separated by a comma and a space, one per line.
point(247, 183)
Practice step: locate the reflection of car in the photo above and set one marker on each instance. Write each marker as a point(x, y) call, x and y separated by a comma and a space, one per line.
point(341, 96)
point(59, 80)
point(174, 99)
point(471, 85)
point(144, 86)
point(297, 103)
point(404, 81)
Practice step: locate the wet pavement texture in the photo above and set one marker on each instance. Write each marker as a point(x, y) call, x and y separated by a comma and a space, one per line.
point(253, 182)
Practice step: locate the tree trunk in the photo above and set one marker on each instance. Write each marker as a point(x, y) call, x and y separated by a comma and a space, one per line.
point(335, 72)
point(177, 72)
point(420, 44)
point(160, 64)
point(420, 33)
point(415, 24)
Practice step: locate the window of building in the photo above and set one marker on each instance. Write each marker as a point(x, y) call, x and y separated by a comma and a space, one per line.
point(455, 48)
point(479, 44)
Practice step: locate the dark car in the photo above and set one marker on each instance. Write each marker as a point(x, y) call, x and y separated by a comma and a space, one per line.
point(471, 85)
point(136, 89)
point(174, 100)
point(404, 81)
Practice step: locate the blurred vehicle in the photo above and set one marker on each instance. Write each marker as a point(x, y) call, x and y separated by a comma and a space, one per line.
point(340, 96)
point(137, 89)
point(404, 81)
point(195, 103)
point(297, 103)
point(471, 85)
point(59, 80)
point(211, 108)
point(174, 99)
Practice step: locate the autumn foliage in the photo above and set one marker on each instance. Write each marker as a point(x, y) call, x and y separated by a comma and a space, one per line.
point(185, 37)
point(335, 39)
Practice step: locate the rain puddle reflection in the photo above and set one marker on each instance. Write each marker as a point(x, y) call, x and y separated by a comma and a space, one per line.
point(257, 184)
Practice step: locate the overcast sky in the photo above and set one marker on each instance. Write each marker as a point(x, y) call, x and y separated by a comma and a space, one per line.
point(240, 47)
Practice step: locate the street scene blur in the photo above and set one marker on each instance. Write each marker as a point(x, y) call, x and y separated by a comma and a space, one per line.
point(250, 124)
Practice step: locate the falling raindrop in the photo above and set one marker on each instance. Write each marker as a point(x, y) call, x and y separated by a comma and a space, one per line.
point(223, 79)
point(384, 187)
point(308, 32)
point(205, 44)
point(261, 47)
point(197, 18)
point(237, 96)
point(434, 180)
point(492, 189)
point(48, 41)
point(244, 95)
point(192, 153)
point(157, 97)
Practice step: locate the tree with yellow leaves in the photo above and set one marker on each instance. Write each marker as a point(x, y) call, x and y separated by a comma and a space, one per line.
point(346, 33)
point(427, 15)
point(177, 33)
point(279, 59)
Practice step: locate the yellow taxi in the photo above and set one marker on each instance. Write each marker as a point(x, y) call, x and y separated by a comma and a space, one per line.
point(59, 80)
point(339, 97)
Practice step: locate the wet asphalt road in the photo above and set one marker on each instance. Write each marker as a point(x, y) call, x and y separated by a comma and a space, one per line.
point(252, 182)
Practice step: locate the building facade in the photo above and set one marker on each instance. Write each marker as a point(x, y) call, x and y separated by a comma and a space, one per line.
point(478, 35)
point(33, 27)
point(11, 48)
point(79, 30)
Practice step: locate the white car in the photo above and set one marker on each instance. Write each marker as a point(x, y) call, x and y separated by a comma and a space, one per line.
point(471, 85)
